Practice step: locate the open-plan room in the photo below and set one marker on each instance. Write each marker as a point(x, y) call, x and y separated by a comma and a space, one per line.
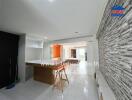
point(65, 50)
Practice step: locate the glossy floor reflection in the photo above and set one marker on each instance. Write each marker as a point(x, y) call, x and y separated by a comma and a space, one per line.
point(81, 87)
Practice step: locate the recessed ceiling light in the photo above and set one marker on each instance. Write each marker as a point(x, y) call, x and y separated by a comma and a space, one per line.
point(51, 0)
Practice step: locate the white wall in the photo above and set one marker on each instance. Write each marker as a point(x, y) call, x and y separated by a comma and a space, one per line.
point(96, 53)
point(92, 56)
point(66, 53)
point(33, 54)
point(21, 58)
point(47, 51)
point(1, 14)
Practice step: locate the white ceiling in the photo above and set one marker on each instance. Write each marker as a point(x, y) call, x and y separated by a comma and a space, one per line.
point(56, 20)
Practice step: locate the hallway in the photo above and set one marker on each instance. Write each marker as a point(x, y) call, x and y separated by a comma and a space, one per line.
point(81, 87)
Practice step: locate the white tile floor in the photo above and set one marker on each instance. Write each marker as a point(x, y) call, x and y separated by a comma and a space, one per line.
point(81, 87)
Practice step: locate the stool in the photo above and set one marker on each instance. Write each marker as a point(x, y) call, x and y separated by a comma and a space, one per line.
point(60, 71)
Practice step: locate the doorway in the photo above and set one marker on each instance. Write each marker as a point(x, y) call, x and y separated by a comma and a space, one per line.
point(81, 54)
point(75, 51)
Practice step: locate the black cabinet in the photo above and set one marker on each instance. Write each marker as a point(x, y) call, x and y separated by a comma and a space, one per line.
point(8, 58)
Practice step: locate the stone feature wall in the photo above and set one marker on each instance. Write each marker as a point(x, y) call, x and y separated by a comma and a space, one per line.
point(115, 49)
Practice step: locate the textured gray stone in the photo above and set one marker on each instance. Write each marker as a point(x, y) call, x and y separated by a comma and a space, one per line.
point(115, 49)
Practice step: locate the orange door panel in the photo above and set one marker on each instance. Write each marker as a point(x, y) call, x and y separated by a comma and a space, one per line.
point(56, 51)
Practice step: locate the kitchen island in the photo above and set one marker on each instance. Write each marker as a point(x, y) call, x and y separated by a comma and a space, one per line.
point(43, 71)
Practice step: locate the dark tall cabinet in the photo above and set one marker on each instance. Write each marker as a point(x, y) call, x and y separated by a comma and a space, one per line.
point(8, 58)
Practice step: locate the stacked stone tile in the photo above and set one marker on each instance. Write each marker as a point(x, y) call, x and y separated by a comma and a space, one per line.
point(115, 49)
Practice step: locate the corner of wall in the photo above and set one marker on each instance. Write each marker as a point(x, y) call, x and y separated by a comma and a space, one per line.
point(21, 58)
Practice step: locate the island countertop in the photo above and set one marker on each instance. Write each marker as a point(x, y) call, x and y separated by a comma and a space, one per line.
point(42, 62)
